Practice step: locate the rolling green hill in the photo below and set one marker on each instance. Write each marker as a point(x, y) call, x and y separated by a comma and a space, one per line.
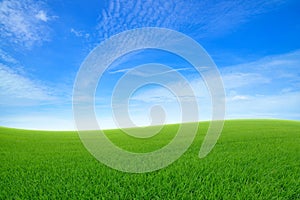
point(253, 159)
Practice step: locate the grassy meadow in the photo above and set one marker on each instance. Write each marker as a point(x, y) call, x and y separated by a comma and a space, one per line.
point(253, 159)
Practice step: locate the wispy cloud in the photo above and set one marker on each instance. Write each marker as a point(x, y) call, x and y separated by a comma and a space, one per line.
point(78, 33)
point(15, 87)
point(149, 72)
point(206, 17)
point(23, 22)
point(6, 58)
point(42, 15)
point(238, 79)
point(237, 98)
point(277, 73)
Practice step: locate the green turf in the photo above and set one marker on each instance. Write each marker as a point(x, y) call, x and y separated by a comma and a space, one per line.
point(253, 159)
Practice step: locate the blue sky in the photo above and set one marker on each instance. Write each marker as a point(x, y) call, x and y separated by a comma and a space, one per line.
point(255, 45)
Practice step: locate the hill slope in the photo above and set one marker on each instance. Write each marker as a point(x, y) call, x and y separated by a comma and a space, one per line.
point(253, 159)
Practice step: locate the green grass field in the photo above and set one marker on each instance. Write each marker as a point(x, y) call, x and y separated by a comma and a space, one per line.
point(253, 159)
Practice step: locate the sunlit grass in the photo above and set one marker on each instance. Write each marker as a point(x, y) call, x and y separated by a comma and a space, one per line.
point(253, 159)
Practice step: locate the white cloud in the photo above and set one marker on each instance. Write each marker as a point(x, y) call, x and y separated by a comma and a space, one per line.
point(23, 22)
point(42, 15)
point(275, 72)
point(282, 64)
point(119, 71)
point(239, 97)
point(236, 80)
point(207, 17)
point(285, 106)
point(5, 57)
point(15, 87)
point(79, 33)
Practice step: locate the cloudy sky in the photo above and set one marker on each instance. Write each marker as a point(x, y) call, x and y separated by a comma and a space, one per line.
point(255, 45)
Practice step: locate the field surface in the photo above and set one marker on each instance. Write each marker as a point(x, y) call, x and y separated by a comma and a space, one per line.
point(253, 159)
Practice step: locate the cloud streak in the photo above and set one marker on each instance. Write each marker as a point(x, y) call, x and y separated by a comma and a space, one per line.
point(149, 72)
point(15, 87)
